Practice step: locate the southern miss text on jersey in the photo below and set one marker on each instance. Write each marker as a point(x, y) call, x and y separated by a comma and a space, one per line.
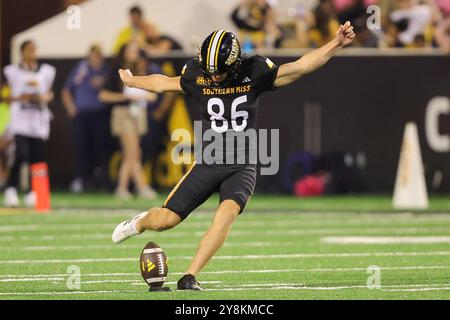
point(230, 107)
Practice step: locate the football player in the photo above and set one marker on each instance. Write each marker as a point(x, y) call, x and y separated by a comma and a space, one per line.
point(226, 87)
point(31, 85)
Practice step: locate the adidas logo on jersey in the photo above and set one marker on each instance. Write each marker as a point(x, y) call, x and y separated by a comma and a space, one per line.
point(246, 80)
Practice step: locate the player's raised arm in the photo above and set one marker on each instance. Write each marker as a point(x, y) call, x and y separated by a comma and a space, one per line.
point(157, 83)
point(290, 72)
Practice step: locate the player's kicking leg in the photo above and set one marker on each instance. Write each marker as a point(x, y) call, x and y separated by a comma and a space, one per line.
point(157, 219)
point(192, 190)
point(235, 186)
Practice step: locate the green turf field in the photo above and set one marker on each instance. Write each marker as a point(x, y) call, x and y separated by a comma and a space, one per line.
point(281, 248)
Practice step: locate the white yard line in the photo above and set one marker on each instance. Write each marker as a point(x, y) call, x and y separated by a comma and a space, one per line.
point(44, 277)
point(138, 246)
point(256, 286)
point(239, 257)
point(31, 279)
point(54, 226)
point(242, 223)
point(259, 288)
point(418, 289)
point(58, 261)
point(207, 213)
point(49, 277)
point(250, 285)
point(236, 233)
point(60, 293)
point(298, 286)
point(385, 240)
point(303, 286)
point(136, 282)
point(88, 236)
point(84, 214)
point(333, 255)
point(324, 270)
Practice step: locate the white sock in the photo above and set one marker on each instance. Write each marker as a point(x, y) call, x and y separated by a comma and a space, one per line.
point(138, 217)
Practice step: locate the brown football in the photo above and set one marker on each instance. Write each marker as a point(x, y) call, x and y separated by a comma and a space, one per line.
point(153, 265)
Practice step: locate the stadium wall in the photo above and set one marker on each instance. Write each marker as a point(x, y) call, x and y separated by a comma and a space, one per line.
point(362, 120)
point(101, 21)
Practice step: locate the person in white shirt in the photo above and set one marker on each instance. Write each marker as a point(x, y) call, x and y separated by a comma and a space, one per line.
point(418, 17)
point(31, 91)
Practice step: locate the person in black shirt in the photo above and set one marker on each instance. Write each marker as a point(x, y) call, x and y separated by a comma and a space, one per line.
point(226, 88)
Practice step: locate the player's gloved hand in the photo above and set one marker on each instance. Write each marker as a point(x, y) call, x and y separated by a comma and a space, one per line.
point(345, 34)
point(126, 76)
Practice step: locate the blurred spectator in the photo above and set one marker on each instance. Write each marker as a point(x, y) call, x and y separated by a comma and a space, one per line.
point(6, 142)
point(342, 5)
point(31, 91)
point(392, 30)
point(444, 6)
point(134, 32)
point(89, 117)
point(364, 37)
point(387, 6)
point(302, 20)
point(157, 43)
point(129, 121)
point(437, 13)
point(353, 11)
point(418, 17)
point(442, 34)
point(404, 23)
point(419, 41)
point(157, 112)
point(6, 138)
point(256, 22)
point(325, 24)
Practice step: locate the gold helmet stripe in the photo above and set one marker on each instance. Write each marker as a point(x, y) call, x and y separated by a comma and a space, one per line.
point(218, 49)
point(209, 47)
point(214, 49)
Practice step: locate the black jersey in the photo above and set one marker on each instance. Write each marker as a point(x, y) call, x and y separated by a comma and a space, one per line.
point(230, 110)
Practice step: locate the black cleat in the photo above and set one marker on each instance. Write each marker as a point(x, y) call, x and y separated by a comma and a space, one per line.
point(188, 282)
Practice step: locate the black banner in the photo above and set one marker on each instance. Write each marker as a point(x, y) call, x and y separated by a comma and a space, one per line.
point(354, 108)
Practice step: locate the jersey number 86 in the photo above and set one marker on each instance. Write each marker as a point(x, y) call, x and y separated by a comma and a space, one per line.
point(235, 114)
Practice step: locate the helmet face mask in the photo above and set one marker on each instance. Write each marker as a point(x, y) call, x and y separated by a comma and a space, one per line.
point(220, 53)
